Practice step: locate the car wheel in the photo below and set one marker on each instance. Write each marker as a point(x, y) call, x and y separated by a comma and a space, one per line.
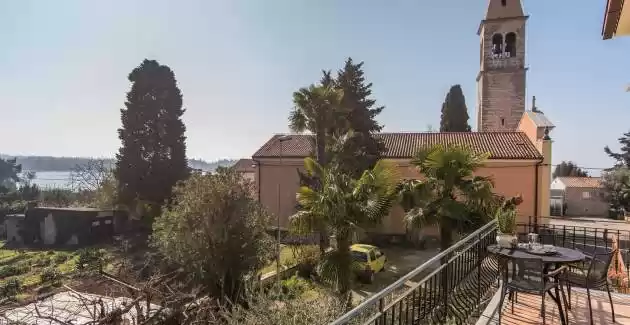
point(370, 277)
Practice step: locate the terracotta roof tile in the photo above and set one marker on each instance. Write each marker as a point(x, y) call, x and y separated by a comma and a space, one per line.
point(583, 182)
point(500, 145)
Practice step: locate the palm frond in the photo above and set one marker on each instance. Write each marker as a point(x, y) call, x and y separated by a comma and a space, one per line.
point(313, 169)
point(412, 193)
point(297, 121)
point(307, 197)
point(331, 269)
point(304, 222)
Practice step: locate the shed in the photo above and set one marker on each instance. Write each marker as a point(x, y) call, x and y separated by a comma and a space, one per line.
point(67, 226)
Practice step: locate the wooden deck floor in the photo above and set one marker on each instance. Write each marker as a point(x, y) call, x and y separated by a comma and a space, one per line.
point(527, 310)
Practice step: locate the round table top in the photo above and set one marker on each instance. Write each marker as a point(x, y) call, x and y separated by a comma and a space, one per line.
point(564, 255)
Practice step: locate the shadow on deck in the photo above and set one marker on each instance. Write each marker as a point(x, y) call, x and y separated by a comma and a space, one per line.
point(527, 309)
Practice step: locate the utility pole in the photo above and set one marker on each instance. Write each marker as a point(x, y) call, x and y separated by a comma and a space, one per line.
point(282, 139)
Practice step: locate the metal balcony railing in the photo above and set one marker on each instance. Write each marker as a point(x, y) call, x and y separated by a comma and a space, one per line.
point(457, 284)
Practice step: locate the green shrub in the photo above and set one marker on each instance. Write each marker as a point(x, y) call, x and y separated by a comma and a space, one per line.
point(50, 275)
point(264, 309)
point(61, 257)
point(42, 261)
point(295, 286)
point(90, 258)
point(14, 269)
point(307, 258)
point(10, 288)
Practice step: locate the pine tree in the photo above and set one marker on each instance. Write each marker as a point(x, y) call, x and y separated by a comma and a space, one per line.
point(363, 150)
point(568, 168)
point(623, 157)
point(152, 157)
point(454, 112)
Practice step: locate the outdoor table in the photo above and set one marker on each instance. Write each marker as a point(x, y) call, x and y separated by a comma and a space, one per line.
point(562, 257)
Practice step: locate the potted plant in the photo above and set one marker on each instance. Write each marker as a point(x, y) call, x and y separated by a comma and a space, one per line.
point(506, 223)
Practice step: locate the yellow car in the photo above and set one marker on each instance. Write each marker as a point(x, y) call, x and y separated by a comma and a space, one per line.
point(368, 260)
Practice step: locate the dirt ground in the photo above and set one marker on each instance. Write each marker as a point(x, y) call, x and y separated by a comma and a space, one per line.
point(400, 261)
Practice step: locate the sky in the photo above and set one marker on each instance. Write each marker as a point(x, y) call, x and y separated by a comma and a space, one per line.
point(64, 67)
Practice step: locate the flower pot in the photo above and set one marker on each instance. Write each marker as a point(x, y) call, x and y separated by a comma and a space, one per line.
point(507, 240)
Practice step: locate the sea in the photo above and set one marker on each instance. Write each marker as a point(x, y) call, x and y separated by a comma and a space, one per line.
point(53, 179)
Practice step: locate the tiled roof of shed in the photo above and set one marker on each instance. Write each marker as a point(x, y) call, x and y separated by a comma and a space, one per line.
point(500, 145)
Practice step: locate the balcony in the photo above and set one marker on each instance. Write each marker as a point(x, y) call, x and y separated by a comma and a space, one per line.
point(527, 310)
point(463, 288)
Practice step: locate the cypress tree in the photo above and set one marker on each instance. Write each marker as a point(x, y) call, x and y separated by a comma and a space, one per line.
point(454, 112)
point(152, 157)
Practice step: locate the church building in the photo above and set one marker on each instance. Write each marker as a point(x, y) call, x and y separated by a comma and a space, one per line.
point(516, 139)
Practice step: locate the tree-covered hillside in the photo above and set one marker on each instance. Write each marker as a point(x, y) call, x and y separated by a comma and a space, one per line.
point(48, 163)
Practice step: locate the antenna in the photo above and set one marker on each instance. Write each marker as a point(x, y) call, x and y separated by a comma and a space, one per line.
point(534, 108)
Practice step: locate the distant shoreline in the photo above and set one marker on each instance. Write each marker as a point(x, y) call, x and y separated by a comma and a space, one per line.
point(66, 164)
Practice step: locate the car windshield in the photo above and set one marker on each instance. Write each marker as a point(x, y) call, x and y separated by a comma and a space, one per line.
point(359, 256)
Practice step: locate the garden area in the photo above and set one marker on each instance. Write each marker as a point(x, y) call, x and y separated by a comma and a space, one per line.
point(26, 273)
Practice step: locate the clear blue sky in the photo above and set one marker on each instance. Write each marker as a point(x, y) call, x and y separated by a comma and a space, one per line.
point(63, 67)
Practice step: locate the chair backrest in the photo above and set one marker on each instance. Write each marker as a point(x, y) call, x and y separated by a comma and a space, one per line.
point(529, 267)
point(600, 264)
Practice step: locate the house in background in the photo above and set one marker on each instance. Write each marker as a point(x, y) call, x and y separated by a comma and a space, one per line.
point(578, 196)
point(247, 169)
point(616, 19)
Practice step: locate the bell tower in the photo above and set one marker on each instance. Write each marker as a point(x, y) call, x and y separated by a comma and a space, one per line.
point(501, 78)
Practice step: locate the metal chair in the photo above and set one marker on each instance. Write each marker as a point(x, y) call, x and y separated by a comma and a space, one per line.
point(538, 283)
point(592, 275)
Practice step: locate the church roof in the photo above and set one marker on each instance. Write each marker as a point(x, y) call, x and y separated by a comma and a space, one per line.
point(499, 9)
point(500, 145)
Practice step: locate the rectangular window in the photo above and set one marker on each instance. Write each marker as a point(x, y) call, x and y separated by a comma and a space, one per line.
point(586, 195)
point(359, 256)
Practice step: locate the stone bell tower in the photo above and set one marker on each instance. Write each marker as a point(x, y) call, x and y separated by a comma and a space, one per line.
point(501, 78)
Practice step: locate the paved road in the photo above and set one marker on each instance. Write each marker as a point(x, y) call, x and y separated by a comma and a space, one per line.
point(399, 262)
point(591, 222)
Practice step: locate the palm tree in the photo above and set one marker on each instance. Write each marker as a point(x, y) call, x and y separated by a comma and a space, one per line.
point(316, 110)
point(450, 195)
point(343, 204)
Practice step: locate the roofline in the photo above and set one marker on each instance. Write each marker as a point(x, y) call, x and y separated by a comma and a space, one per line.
point(493, 20)
point(532, 159)
point(611, 18)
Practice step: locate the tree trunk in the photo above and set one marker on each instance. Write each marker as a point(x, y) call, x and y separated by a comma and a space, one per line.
point(345, 263)
point(320, 143)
